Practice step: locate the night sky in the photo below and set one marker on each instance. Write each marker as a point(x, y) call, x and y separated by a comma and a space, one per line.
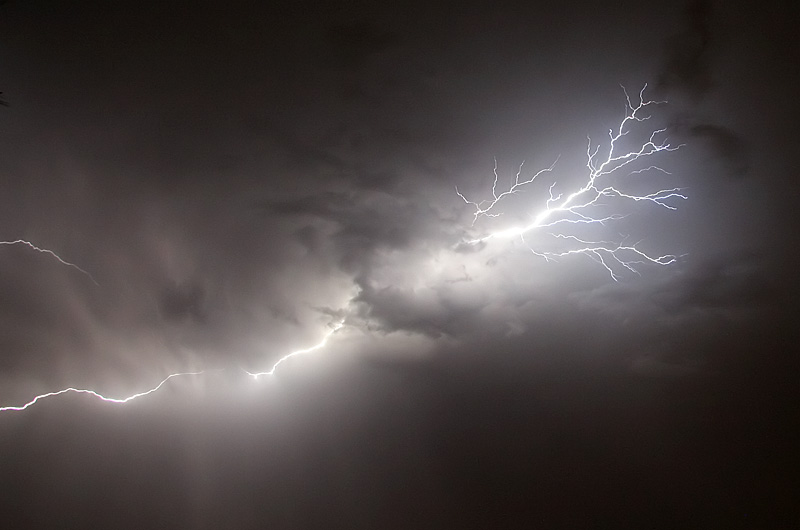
point(236, 179)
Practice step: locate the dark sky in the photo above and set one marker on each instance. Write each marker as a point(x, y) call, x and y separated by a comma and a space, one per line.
point(239, 177)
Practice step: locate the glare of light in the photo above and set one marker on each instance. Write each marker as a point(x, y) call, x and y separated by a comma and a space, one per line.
point(565, 212)
point(560, 211)
point(321, 344)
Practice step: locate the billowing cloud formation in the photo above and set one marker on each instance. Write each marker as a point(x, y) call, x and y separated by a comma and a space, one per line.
point(239, 179)
point(235, 230)
point(725, 144)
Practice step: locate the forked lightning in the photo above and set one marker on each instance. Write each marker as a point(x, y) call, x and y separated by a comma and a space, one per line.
point(562, 212)
point(559, 214)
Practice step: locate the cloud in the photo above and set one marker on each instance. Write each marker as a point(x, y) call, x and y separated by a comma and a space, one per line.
point(726, 145)
point(687, 65)
point(352, 43)
point(365, 224)
point(688, 69)
point(729, 283)
point(184, 301)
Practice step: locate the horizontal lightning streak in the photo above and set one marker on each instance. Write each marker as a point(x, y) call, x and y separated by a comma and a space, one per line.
point(97, 394)
point(50, 252)
point(559, 210)
point(334, 328)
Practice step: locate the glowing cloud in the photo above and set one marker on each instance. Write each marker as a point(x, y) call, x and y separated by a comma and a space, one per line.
point(560, 215)
point(564, 212)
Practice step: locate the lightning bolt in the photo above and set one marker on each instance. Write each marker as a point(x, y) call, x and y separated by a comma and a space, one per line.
point(321, 344)
point(558, 212)
point(562, 211)
point(333, 329)
point(50, 252)
point(99, 396)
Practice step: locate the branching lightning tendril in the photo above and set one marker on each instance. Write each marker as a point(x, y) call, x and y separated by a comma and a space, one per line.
point(576, 208)
point(558, 212)
point(334, 328)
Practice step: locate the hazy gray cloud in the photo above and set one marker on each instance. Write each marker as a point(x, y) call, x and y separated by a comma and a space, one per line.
point(725, 144)
point(687, 65)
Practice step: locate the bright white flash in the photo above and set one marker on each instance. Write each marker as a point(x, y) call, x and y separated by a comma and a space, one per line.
point(50, 252)
point(564, 212)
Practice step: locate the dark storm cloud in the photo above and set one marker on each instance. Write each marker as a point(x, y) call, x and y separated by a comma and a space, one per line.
point(239, 177)
point(732, 285)
point(321, 158)
point(687, 64)
point(304, 154)
point(433, 313)
point(726, 145)
point(351, 44)
point(691, 63)
point(367, 222)
point(387, 147)
point(729, 283)
point(708, 317)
